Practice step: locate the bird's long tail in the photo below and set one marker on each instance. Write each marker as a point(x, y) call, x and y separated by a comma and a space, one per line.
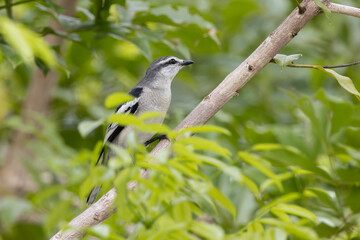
point(95, 191)
point(93, 194)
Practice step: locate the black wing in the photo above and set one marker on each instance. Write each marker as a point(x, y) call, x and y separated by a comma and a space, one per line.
point(114, 129)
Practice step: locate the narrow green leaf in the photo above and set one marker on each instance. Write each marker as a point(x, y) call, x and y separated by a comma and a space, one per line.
point(231, 171)
point(26, 43)
point(222, 200)
point(182, 212)
point(324, 8)
point(256, 162)
point(149, 115)
point(251, 185)
point(181, 15)
point(295, 210)
point(275, 146)
point(204, 144)
point(293, 229)
point(207, 230)
point(186, 170)
point(115, 99)
point(199, 129)
point(269, 182)
point(323, 195)
point(125, 119)
point(154, 127)
point(86, 127)
point(9, 54)
point(285, 198)
point(281, 215)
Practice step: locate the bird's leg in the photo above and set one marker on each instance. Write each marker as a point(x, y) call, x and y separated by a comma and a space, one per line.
point(158, 137)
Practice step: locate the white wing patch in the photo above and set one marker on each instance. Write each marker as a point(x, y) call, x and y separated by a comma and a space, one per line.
point(124, 108)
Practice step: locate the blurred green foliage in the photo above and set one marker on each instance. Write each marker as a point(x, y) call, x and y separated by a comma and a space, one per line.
point(282, 163)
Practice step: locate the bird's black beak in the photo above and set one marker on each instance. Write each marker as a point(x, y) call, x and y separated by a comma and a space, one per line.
point(187, 62)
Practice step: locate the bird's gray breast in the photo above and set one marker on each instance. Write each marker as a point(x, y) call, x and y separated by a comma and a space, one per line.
point(151, 100)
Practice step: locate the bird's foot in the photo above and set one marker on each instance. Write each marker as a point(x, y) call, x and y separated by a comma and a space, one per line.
point(158, 137)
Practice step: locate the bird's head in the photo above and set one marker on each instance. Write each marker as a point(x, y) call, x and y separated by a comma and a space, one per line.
point(166, 68)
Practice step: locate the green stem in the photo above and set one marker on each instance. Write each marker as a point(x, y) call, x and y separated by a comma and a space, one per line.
point(8, 8)
point(301, 10)
point(9, 4)
point(325, 66)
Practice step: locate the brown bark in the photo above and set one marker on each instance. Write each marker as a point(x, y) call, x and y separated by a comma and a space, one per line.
point(14, 176)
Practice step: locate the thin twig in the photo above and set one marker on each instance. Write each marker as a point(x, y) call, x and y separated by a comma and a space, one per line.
point(301, 10)
point(8, 8)
point(9, 4)
point(341, 65)
point(324, 66)
point(342, 9)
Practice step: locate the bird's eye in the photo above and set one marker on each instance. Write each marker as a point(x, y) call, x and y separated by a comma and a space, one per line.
point(172, 61)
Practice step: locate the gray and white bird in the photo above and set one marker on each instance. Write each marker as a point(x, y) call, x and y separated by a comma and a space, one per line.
point(152, 94)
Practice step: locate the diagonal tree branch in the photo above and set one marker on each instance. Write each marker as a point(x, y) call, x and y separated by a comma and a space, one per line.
point(210, 105)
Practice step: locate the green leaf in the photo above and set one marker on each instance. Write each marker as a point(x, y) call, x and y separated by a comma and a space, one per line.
point(269, 182)
point(182, 212)
point(251, 185)
point(284, 198)
point(350, 175)
point(87, 126)
point(324, 8)
point(125, 119)
point(204, 144)
point(231, 171)
point(115, 99)
point(256, 162)
point(11, 56)
point(199, 129)
point(187, 170)
point(149, 115)
point(284, 60)
point(293, 229)
point(206, 230)
point(345, 82)
point(143, 46)
point(295, 210)
point(45, 69)
point(26, 43)
point(222, 200)
point(181, 15)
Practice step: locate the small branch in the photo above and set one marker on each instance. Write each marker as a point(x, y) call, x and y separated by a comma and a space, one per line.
point(324, 66)
point(341, 65)
point(9, 4)
point(342, 9)
point(95, 214)
point(301, 10)
point(8, 8)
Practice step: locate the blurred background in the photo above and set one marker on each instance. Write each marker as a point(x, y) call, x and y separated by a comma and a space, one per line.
point(51, 126)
